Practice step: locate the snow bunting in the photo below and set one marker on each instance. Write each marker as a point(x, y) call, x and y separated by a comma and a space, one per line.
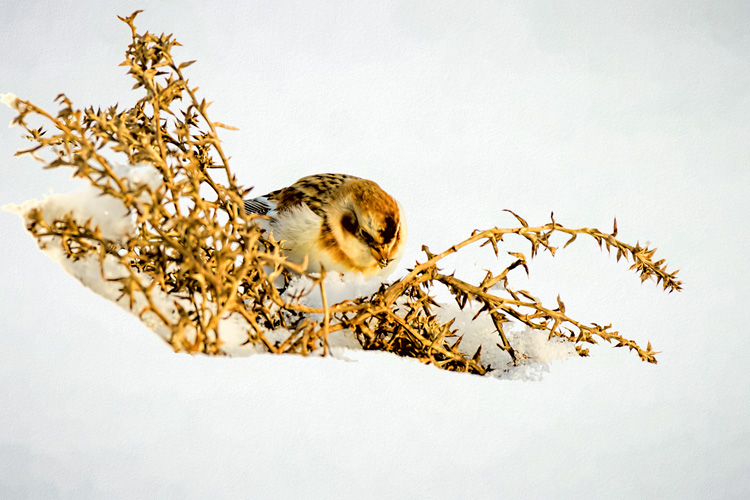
point(340, 222)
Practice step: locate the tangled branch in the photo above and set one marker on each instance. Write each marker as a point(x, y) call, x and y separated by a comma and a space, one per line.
point(191, 241)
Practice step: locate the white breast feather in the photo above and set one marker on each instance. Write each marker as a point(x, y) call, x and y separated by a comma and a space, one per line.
point(299, 226)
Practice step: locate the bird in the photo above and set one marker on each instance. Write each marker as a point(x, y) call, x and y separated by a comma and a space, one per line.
point(338, 222)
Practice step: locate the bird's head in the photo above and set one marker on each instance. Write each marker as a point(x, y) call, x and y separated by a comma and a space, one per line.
point(368, 225)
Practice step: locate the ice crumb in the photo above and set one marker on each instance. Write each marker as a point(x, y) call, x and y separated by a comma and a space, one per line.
point(140, 174)
point(9, 99)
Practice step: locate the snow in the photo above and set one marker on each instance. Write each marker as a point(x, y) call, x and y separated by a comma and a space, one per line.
point(637, 111)
point(110, 216)
point(481, 332)
point(8, 99)
point(104, 211)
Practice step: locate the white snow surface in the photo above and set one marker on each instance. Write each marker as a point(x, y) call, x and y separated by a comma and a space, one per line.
point(592, 110)
point(111, 217)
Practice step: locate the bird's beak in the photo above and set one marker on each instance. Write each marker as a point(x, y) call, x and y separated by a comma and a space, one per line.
point(382, 255)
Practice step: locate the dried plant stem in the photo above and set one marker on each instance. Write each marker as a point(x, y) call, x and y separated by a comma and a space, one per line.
point(215, 262)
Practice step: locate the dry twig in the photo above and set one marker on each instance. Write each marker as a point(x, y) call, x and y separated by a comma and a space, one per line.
point(193, 241)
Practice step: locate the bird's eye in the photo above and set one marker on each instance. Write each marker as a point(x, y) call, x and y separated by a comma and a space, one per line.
point(365, 236)
point(349, 222)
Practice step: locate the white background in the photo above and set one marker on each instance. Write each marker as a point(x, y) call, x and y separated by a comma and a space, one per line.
point(634, 110)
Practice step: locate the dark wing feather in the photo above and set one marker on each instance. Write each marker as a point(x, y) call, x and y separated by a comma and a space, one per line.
point(257, 206)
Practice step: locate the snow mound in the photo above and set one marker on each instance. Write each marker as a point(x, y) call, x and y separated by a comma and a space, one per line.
point(115, 223)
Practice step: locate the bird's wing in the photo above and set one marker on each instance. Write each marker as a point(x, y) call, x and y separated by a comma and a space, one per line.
point(313, 190)
point(258, 206)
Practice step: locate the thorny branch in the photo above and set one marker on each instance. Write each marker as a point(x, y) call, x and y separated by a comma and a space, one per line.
point(193, 242)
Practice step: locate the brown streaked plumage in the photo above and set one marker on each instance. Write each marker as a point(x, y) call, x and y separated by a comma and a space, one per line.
point(340, 222)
